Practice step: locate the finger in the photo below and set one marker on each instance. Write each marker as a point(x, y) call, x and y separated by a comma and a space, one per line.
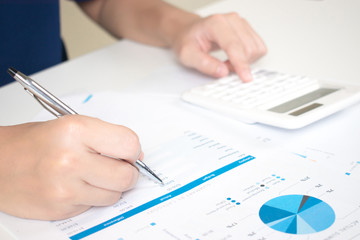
point(244, 73)
point(141, 157)
point(111, 140)
point(229, 66)
point(254, 45)
point(237, 46)
point(254, 49)
point(239, 62)
point(241, 74)
point(108, 173)
point(259, 45)
point(195, 58)
point(89, 195)
point(247, 53)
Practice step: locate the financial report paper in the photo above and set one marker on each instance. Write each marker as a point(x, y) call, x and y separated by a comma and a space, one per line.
point(222, 181)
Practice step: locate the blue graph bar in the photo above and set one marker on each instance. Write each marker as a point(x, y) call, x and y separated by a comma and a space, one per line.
point(162, 198)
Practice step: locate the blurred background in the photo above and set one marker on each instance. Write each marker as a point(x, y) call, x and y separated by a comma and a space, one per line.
point(82, 35)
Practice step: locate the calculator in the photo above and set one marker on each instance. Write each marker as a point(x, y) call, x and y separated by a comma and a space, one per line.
point(274, 98)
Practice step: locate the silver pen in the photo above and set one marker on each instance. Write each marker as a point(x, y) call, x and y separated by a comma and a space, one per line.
point(55, 106)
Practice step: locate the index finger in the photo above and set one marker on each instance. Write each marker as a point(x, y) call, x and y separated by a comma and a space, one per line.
point(111, 140)
point(232, 34)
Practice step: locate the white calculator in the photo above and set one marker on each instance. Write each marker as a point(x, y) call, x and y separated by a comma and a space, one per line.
point(273, 98)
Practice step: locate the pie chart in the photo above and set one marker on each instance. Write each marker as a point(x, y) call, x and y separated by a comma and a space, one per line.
point(297, 214)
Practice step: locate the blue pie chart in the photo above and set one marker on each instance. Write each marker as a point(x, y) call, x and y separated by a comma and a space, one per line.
point(297, 214)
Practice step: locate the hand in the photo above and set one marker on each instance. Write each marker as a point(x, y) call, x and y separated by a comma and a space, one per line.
point(229, 32)
point(53, 170)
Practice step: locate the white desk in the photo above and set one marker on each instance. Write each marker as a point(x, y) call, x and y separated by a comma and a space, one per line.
point(316, 38)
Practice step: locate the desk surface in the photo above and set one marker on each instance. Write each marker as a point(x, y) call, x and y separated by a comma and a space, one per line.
point(315, 38)
point(318, 38)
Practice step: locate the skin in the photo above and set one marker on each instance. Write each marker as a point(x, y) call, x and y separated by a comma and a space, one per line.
point(57, 172)
point(191, 37)
point(53, 170)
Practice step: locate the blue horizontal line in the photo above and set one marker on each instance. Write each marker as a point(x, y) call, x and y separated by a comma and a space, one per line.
point(162, 198)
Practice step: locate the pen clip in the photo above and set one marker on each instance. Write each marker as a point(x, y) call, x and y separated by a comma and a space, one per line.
point(44, 105)
point(47, 107)
point(52, 104)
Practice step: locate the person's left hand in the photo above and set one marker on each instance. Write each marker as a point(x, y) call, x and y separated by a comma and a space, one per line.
point(229, 32)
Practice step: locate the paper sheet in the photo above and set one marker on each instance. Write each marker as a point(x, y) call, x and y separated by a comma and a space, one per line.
point(223, 179)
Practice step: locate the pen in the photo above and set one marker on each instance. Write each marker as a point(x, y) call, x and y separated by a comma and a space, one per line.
point(55, 106)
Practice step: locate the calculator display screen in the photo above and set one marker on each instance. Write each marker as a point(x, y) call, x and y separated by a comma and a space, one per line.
point(300, 101)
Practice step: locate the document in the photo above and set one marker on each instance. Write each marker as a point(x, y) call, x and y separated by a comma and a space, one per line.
point(223, 179)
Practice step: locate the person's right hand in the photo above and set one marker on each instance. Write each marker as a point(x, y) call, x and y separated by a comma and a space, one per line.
point(229, 32)
point(53, 170)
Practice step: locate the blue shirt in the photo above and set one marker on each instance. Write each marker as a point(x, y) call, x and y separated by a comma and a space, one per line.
point(29, 36)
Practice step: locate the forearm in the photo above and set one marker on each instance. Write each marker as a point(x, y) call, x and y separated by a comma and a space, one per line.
point(151, 22)
point(192, 38)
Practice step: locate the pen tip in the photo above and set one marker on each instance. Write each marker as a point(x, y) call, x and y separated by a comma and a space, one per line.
point(12, 71)
point(159, 179)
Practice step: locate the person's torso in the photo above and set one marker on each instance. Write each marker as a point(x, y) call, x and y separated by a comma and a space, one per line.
point(30, 36)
